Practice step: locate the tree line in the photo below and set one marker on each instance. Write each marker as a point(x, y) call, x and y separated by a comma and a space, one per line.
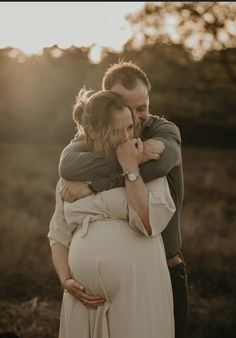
point(37, 93)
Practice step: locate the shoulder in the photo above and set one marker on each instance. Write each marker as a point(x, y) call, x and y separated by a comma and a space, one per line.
point(76, 145)
point(157, 121)
point(160, 125)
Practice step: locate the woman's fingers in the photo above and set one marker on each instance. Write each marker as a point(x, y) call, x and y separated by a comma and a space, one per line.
point(130, 153)
point(140, 144)
point(77, 290)
point(87, 298)
point(92, 302)
point(90, 299)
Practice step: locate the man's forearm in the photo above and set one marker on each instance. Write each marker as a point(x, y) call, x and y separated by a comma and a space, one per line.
point(104, 173)
point(88, 167)
point(169, 134)
point(170, 158)
point(84, 166)
point(76, 164)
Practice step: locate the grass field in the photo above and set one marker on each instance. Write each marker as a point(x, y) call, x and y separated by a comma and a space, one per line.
point(29, 291)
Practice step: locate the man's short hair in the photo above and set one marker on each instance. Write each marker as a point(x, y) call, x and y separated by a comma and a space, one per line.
point(125, 73)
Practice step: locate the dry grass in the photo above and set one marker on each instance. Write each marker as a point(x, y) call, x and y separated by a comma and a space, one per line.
point(34, 318)
point(29, 289)
point(208, 228)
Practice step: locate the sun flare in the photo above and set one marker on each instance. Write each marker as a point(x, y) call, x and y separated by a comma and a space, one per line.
point(30, 27)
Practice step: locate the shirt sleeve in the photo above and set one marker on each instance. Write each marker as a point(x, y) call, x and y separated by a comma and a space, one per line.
point(77, 164)
point(161, 209)
point(59, 231)
point(169, 134)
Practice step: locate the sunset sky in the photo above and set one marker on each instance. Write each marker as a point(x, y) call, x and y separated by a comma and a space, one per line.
point(30, 26)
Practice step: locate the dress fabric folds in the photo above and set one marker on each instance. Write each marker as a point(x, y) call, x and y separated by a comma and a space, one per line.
point(111, 254)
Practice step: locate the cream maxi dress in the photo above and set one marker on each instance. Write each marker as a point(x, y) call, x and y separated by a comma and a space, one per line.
point(112, 256)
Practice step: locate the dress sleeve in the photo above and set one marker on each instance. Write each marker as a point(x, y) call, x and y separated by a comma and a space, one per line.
point(59, 231)
point(161, 208)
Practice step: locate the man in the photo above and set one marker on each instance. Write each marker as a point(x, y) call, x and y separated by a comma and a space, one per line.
point(162, 157)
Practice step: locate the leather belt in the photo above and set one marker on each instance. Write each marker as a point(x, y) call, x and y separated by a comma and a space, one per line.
point(174, 261)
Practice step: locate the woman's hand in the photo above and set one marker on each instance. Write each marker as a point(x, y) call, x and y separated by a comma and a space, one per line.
point(77, 290)
point(130, 154)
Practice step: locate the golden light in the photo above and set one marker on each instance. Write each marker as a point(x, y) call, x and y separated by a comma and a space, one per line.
point(95, 54)
point(31, 27)
point(30, 49)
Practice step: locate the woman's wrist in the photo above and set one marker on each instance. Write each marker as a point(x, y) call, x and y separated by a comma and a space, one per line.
point(130, 166)
point(63, 281)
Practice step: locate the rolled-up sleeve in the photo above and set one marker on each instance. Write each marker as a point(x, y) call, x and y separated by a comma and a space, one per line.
point(161, 209)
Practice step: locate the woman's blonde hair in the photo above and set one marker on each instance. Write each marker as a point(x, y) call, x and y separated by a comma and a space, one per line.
point(95, 112)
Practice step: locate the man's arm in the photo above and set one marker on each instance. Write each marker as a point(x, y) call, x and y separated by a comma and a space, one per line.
point(105, 174)
point(169, 134)
point(77, 164)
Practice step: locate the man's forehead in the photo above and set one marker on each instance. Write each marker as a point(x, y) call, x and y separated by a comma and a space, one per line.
point(139, 86)
point(138, 95)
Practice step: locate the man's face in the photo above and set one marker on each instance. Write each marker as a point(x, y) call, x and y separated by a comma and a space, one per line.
point(138, 100)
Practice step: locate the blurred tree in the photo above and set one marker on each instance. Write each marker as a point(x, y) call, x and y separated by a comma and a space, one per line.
point(37, 93)
point(199, 27)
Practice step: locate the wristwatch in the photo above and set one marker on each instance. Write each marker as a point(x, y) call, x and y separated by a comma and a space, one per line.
point(131, 176)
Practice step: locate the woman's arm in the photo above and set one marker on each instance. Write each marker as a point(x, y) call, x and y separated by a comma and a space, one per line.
point(60, 236)
point(69, 284)
point(130, 155)
point(60, 262)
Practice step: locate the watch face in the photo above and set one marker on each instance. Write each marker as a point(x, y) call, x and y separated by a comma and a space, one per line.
point(132, 177)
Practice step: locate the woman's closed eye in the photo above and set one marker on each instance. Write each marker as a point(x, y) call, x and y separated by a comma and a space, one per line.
point(130, 127)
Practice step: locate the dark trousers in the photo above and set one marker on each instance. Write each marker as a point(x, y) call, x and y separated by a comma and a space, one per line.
point(180, 295)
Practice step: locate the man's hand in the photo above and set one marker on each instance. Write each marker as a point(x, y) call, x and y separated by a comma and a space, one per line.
point(152, 149)
point(72, 191)
point(77, 290)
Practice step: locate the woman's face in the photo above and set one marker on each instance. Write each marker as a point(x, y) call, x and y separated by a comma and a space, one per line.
point(121, 130)
point(123, 127)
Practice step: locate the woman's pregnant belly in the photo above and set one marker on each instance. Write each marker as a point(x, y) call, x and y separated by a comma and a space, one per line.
point(111, 255)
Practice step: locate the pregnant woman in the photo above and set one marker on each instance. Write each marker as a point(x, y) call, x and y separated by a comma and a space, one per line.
point(112, 241)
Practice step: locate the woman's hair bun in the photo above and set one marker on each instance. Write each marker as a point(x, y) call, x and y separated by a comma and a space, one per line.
point(80, 105)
